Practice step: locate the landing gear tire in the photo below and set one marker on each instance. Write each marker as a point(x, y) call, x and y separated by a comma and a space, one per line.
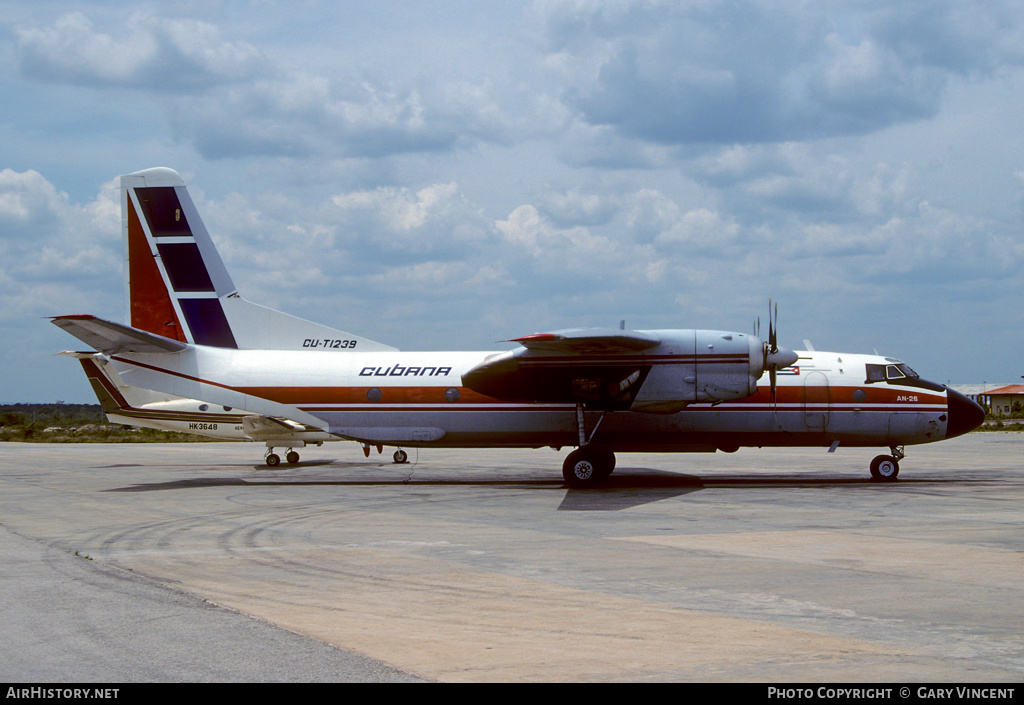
point(606, 464)
point(400, 457)
point(586, 467)
point(885, 468)
point(292, 457)
point(273, 459)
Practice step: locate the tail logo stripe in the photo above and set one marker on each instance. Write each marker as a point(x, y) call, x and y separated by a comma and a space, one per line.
point(163, 211)
point(207, 322)
point(184, 265)
point(176, 266)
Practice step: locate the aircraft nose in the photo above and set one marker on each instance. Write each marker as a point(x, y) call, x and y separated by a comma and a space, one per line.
point(964, 414)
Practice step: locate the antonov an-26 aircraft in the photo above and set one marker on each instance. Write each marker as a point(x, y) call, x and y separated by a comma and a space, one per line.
point(191, 336)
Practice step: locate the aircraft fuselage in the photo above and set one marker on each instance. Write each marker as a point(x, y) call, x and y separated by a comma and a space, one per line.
point(418, 399)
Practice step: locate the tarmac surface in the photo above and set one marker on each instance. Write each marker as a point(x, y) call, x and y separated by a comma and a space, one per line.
point(195, 562)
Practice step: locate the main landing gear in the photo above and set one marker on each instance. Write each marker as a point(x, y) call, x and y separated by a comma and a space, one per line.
point(587, 466)
point(400, 457)
point(886, 468)
point(273, 459)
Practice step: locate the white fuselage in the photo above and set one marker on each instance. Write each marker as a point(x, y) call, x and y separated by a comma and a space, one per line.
point(417, 399)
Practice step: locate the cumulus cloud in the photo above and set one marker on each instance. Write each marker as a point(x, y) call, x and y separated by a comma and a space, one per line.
point(401, 209)
point(395, 224)
point(50, 246)
point(28, 202)
point(754, 71)
point(776, 183)
point(309, 115)
point(555, 248)
point(230, 99)
point(574, 207)
point(155, 53)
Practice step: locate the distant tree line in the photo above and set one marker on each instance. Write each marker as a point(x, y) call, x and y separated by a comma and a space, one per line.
point(75, 423)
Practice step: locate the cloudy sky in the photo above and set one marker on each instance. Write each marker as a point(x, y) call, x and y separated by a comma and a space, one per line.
point(444, 175)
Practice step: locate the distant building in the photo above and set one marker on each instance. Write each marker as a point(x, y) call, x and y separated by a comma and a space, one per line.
point(997, 398)
point(1004, 400)
point(976, 392)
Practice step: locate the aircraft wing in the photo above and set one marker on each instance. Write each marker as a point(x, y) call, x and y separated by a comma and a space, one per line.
point(112, 338)
point(583, 341)
point(601, 366)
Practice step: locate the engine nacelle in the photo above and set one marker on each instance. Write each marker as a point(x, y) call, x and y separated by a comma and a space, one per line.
point(700, 366)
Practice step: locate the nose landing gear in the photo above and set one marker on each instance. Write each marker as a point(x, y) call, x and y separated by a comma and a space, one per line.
point(588, 465)
point(886, 468)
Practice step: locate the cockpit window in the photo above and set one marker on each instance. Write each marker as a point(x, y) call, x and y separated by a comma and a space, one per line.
point(876, 373)
point(882, 373)
point(907, 372)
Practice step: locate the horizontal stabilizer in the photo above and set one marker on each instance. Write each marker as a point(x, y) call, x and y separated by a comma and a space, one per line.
point(112, 338)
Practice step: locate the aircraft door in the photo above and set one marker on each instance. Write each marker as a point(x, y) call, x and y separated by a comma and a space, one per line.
point(816, 402)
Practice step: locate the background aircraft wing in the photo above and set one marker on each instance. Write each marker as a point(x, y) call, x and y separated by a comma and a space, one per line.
point(269, 428)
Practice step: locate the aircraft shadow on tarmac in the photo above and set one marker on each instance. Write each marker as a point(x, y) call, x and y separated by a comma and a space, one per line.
point(628, 487)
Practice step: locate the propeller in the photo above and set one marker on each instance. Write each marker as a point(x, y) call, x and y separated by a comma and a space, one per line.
point(775, 358)
point(772, 348)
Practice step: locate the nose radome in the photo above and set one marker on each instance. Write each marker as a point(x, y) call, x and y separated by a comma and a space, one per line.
point(964, 414)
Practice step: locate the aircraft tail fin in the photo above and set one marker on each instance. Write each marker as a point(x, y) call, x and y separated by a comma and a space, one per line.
point(177, 286)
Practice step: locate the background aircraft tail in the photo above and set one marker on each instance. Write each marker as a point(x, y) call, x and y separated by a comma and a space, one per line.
point(136, 406)
point(133, 406)
point(176, 284)
point(107, 393)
